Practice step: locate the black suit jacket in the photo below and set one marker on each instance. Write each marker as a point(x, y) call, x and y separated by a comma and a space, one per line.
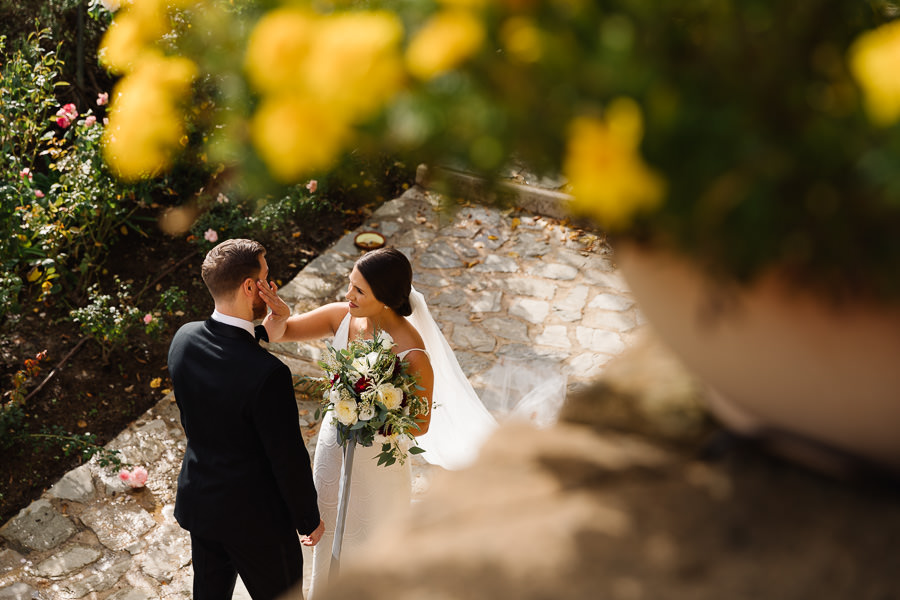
point(246, 473)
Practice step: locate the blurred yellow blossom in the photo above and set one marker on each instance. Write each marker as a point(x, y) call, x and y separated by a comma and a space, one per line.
point(277, 48)
point(875, 63)
point(443, 43)
point(156, 382)
point(522, 39)
point(355, 61)
point(125, 40)
point(137, 28)
point(473, 4)
point(145, 121)
point(609, 179)
point(296, 136)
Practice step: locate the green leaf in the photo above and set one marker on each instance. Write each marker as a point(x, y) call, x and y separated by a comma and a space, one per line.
point(416, 450)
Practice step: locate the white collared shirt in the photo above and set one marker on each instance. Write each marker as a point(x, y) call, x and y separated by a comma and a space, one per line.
point(235, 322)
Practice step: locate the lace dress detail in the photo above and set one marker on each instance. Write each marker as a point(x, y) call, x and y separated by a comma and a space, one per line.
point(375, 491)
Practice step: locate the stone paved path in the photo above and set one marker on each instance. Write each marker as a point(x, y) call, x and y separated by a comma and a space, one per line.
point(508, 287)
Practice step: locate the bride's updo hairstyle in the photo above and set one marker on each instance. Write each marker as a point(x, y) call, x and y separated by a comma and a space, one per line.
point(389, 274)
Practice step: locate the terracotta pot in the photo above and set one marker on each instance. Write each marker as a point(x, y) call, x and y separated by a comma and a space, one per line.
point(776, 358)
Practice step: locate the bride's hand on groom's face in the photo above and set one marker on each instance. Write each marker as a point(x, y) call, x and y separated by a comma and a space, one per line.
point(268, 292)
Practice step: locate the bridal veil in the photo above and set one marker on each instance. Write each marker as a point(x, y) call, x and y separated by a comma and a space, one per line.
point(459, 421)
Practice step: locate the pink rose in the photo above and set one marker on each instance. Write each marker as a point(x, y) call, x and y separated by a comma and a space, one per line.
point(138, 477)
point(66, 115)
point(211, 236)
point(102, 99)
point(38, 194)
point(25, 174)
point(68, 110)
point(148, 318)
point(90, 121)
point(312, 186)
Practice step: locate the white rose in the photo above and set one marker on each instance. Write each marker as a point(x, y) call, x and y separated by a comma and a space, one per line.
point(345, 411)
point(363, 365)
point(360, 366)
point(390, 396)
point(366, 412)
point(385, 338)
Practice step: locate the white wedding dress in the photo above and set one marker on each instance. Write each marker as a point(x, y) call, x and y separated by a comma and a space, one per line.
point(459, 425)
point(375, 491)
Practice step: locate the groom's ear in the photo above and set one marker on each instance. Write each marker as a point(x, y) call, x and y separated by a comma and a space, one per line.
point(248, 287)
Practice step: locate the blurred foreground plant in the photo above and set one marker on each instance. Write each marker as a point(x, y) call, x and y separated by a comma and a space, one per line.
point(750, 135)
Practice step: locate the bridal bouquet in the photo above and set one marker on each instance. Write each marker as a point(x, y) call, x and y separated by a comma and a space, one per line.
point(373, 397)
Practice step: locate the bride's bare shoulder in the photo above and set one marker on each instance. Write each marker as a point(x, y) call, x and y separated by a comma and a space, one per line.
point(408, 338)
point(336, 311)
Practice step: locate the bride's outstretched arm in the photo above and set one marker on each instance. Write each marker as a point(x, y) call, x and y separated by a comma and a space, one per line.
point(420, 368)
point(282, 327)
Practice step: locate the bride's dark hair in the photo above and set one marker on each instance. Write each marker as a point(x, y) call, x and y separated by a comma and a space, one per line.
point(389, 274)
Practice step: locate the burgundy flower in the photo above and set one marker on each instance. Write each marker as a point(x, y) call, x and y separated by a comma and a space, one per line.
point(361, 384)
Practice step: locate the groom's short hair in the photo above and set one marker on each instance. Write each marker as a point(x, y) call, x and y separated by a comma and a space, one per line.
point(228, 264)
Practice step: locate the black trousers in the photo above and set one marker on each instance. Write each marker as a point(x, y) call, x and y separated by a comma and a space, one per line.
point(267, 570)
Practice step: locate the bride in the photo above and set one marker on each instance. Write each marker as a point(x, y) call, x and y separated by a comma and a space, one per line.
point(380, 297)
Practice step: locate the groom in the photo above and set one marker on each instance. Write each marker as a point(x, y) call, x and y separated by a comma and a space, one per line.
point(245, 489)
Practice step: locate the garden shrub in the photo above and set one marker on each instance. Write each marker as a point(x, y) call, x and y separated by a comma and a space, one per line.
point(60, 208)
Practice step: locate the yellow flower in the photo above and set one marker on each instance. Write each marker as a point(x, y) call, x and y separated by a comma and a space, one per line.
point(156, 382)
point(464, 3)
point(355, 61)
point(125, 40)
point(146, 122)
point(610, 181)
point(296, 136)
point(277, 49)
point(875, 62)
point(522, 39)
point(136, 29)
point(445, 42)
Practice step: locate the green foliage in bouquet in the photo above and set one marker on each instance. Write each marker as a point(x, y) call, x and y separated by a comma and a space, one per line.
point(373, 397)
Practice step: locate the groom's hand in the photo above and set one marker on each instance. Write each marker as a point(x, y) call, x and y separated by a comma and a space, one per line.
point(313, 538)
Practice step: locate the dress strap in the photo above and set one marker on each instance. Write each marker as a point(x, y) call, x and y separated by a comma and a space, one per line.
point(403, 354)
point(342, 335)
